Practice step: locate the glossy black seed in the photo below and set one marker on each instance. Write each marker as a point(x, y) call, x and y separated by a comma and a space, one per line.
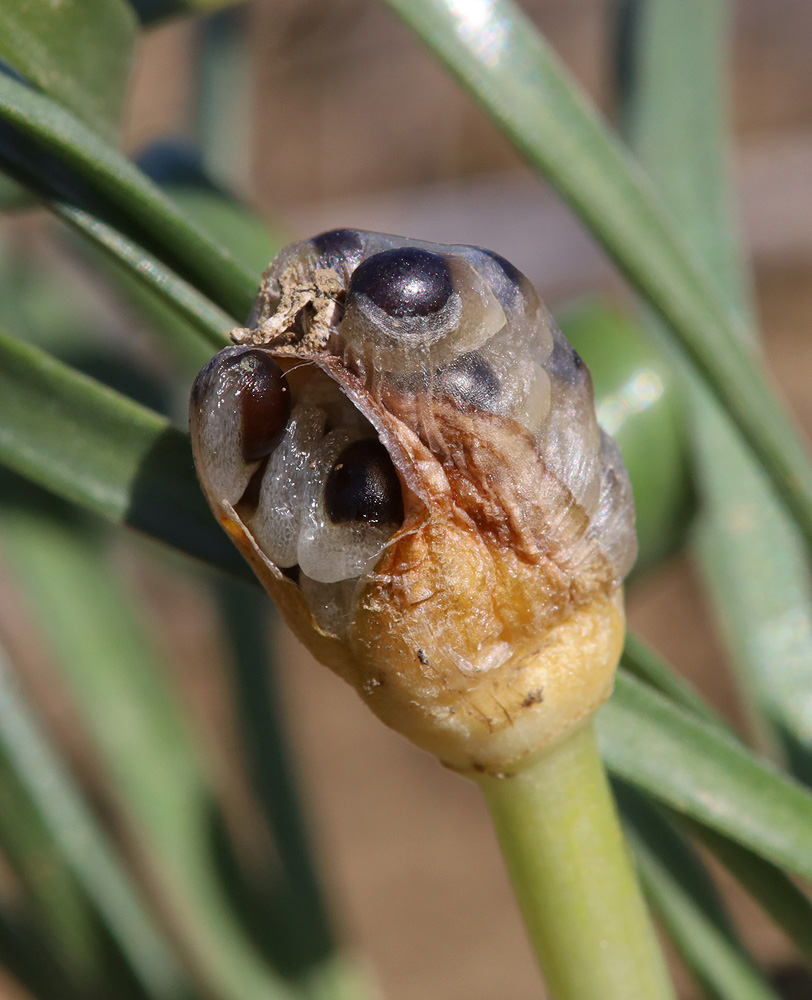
point(512, 273)
point(263, 396)
point(363, 486)
point(567, 364)
point(404, 282)
point(471, 381)
point(339, 246)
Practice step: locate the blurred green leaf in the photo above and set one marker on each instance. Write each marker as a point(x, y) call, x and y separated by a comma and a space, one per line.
point(640, 404)
point(154, 11)
point(766, 883)
point(62, 160)
point(642, 663)
point(13, 196)
point(777, 894)
point(202, 323)
point(190, 327)
point(680, 890)
point(85, 846)
point(697, 769)
point(53, 894)
point(751, 553)
point(29, 957)
point(76, 51)
point(135, 725)
point(96, 448)
point(500, 56)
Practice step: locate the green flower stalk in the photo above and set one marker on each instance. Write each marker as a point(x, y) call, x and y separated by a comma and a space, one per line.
point(405, 449)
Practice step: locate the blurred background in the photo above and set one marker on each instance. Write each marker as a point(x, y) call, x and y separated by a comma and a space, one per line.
point(327, 113)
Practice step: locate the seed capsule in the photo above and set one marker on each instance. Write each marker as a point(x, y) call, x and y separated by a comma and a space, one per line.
point(432, 503)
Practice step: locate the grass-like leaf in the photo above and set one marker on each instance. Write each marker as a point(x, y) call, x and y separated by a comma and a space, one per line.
point(500, 56)
point(99, 449)
point(85, 846)
point(207, 321)
point(140, 735)
point(77, 51)
point(698, 770)
point(680, 891)
point(749, 549)
point(94, 176)
point(766, 883)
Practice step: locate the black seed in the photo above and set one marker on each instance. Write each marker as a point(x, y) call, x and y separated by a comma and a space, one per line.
point(470, 381)
point(339, 246)
point(263, 396)
point(404, 282)
point(512, 273)
point(363, 486)
point(567, 364)
point(291, 572)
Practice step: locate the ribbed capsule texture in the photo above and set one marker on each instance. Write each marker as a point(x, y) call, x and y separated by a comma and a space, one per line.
point(405, 448)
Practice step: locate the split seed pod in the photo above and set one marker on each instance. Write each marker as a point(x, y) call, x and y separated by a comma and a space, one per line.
point(405, 449)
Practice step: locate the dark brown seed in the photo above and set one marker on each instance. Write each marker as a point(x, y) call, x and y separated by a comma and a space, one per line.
point(339, 246)
point(363, 486)
point(470, 381)
point(264, 399)
point(404, 282)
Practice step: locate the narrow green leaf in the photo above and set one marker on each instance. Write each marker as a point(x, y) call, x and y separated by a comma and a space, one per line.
point(749, 550)
point(53, 894)
point(85, 846)
point(700, 771)
point(100, 180)
point(152, 12)
point(498, 54)
point(767, 884)
point(681, 892)
point(29, 957)
point(140, 735)
point(76, 51)
point(96, 448)
point(642, 663)
point(210, 324)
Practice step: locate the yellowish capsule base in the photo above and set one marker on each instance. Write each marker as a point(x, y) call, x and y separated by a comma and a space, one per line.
point(472, 653)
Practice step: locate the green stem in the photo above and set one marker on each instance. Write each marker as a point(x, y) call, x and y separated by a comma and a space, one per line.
point(559, 832)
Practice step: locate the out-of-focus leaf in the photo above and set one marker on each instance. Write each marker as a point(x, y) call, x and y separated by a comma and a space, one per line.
point(76, 51)
point(96, 448)
point(640, 405)
point(697, 769)
point(681, 893)
point(30, 959)
point(151, 12)
point(498, 54)
point(642, 663)
point(13, 196)
point(190, 326)
point(53, 894)
point(769, 886)
point(62, 160)
point(202, 320)
point(766, 883)
point(85, 846)
point(140, 735)
point(751, 553)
